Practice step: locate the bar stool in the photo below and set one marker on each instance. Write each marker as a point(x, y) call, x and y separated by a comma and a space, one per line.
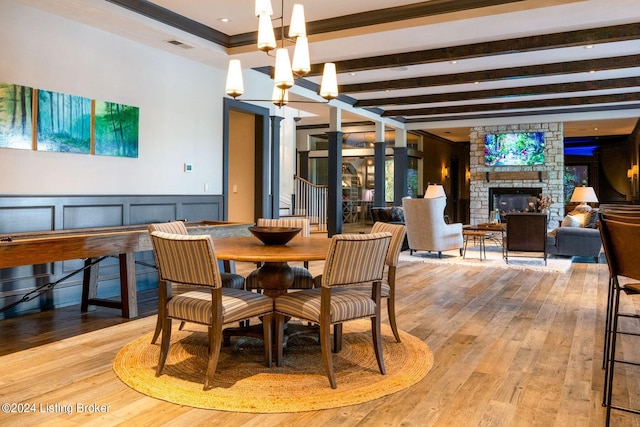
point(621, 241)
point(615, 216)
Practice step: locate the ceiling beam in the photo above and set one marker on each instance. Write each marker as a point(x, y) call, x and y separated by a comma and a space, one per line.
point(538, 103)
point(539, 70)
point(600, 35)
point(504, 92)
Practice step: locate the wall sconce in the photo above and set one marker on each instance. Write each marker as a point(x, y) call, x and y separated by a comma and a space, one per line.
point(467, 175)
point(630, 173)
point(634, 170)
point(445, 172)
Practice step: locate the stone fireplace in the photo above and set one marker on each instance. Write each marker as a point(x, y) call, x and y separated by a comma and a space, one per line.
point(516, 181)
point(509, 199)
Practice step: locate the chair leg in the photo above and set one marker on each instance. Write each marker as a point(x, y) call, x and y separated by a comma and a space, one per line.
point(391, 310)
point(215, 342)
point(163, 296)
point(267, 328)
point(377, 342)
point(391, 302)
point(182, 325)
point(279, 339)
point(608, 378)
point(325, 345)
point(164, 345)
point(337, 337)
point(607, 325)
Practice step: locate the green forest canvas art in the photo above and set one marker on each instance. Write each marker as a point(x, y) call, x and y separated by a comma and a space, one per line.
point(63, 122)
point(116, 129)
point(16, 108)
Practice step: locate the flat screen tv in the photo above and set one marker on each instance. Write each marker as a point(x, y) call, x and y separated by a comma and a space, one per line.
point(514, 149)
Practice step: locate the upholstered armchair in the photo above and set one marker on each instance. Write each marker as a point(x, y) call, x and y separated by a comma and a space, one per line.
point(426, 227)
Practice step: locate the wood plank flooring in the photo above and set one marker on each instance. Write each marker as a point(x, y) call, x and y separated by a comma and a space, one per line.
point(511, 347)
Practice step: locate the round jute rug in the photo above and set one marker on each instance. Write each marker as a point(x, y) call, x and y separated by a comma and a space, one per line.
point(243, 383)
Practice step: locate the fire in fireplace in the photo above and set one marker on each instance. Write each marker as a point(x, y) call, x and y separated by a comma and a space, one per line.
point(513, 200)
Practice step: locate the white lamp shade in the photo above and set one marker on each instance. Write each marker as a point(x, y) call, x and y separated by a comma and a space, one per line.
point(234, 86)
point(301, 64)
point(329, 84)
point(297, 26)
point(434, 191)
point(280, 97)
point(263, 7)
point(283, 75)
point(266, 36)
point(584, 195)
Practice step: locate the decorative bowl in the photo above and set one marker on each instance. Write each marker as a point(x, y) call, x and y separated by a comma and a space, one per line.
point(272, 236)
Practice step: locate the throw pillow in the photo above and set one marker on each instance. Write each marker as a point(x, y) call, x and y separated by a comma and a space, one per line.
point(592, 219)
point(397, 214)
point(571, 221)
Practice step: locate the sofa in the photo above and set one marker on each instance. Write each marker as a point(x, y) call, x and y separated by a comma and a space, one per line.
point(391, 215)
point(577, 235)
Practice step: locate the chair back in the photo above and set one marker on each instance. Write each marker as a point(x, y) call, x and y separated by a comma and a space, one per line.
point(621, 242)
point(302, 223)
point(186, 259)
point(398, 232)
point(355, 258)
point(174, 227)
point(633, 218)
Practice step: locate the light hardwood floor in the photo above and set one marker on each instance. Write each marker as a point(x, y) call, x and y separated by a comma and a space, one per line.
point(511, 347)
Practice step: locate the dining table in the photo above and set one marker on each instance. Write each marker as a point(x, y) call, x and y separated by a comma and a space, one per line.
point(275, 275)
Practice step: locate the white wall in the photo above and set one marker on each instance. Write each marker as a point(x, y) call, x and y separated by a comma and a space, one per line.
point(180, 105)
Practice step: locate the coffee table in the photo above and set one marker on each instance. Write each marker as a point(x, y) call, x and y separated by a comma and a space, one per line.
point(482, 232)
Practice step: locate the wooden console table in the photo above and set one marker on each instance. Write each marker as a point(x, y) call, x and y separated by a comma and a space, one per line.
point(93, 245)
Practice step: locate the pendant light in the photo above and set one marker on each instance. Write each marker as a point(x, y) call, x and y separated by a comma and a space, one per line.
point(284, 68)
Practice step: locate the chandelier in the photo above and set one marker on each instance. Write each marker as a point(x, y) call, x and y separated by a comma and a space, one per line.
point(285, 69)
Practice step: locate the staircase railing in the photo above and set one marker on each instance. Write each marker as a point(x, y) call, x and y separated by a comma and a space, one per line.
point(310, 200)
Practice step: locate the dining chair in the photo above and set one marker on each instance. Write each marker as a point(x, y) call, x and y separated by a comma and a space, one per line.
point(621, 241)
point(190, 260)
point(388, 288)
point(302, 278)
point(352, 259)
point(229, 280)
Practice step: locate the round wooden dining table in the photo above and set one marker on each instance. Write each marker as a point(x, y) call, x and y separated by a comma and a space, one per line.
point(275, 276)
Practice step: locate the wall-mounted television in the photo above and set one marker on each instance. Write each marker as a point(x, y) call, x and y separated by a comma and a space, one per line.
point(514, 149)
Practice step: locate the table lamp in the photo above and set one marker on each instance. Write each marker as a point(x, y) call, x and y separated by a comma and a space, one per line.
point(583, 195)
point(434, 191)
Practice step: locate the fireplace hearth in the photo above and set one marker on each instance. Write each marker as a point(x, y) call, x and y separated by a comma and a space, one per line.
point(508, 200)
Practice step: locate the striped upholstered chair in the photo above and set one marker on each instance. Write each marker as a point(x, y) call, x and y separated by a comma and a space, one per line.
point(398, 232)
point(191, 261)
point(352, 259)
point(302, 278)
point(229, 280)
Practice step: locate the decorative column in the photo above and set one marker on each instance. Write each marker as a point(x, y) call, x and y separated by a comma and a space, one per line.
point(378, 165)
point(400, 167)
point(334, 171)
point(274, 188)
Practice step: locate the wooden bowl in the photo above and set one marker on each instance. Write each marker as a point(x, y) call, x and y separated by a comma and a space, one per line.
point(272, 236)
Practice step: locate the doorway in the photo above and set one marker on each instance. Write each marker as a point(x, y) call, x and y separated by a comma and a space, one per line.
point(246, 161)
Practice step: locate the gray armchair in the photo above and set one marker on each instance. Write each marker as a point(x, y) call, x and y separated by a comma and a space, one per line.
point(427, 229)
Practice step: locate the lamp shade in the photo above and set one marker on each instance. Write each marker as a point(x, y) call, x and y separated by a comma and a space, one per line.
point(301, 63)
point(266, 36)
point(234, 86)
point(329, 84)
point(297, 26)
point(434, 191)
point(283, 75)
point(280, 97)
point(584, 195)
